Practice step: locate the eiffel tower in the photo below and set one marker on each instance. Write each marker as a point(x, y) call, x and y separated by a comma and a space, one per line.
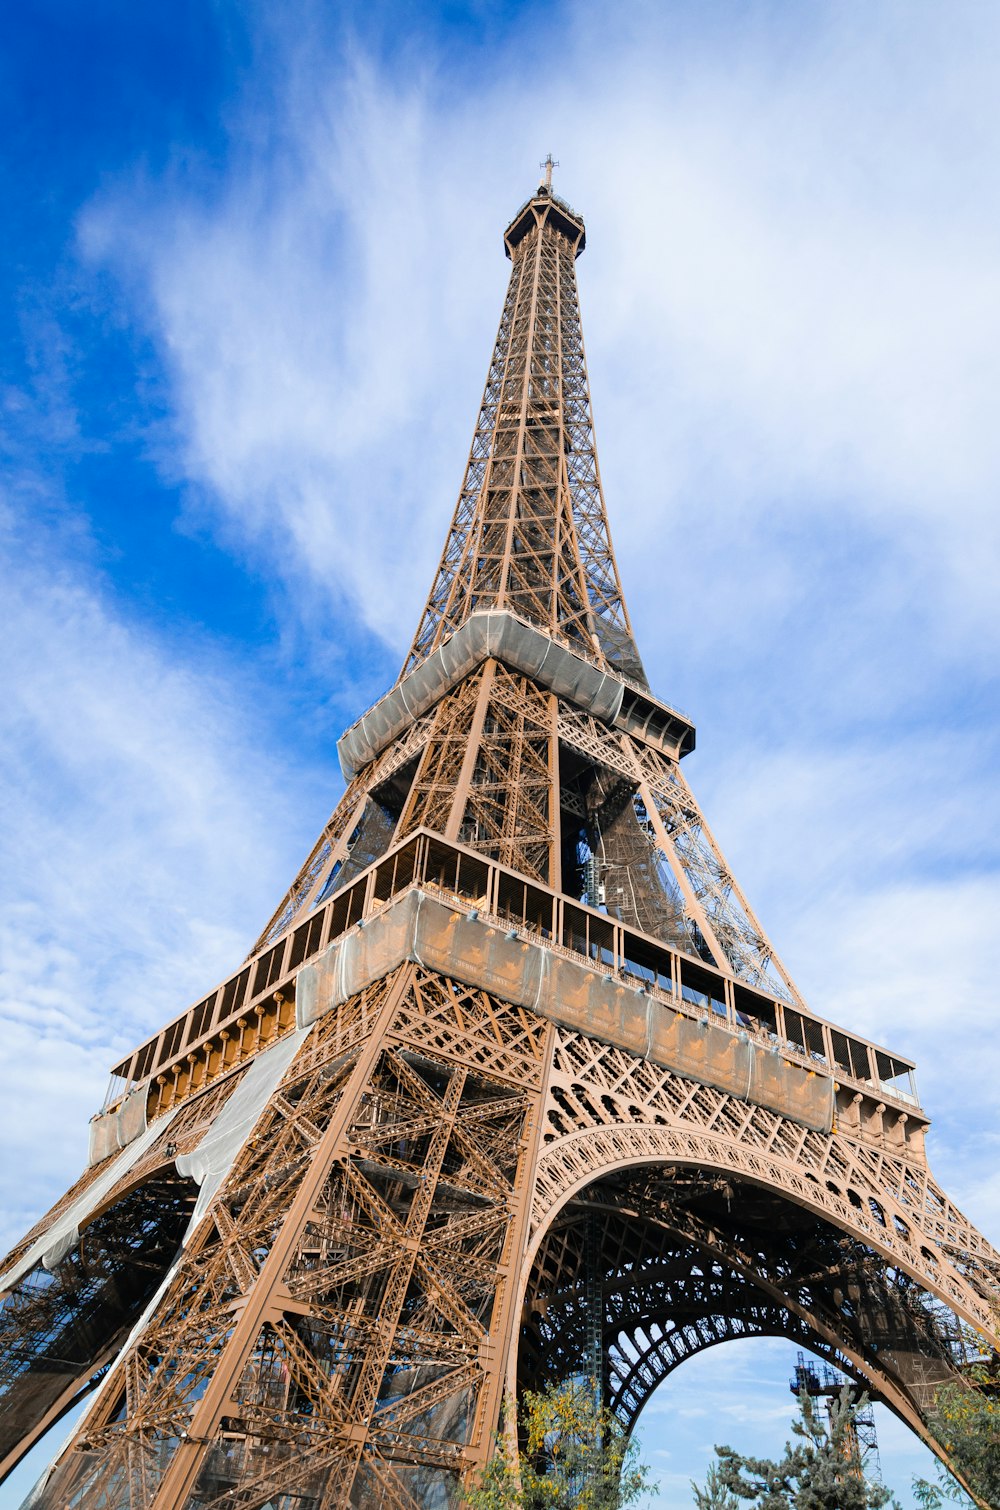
point(512, 1089)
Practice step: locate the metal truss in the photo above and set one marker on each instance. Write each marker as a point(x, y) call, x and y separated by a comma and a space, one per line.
point(717, 903)
point(692, 870)
point(596, 1131)
point(688, 1260)
point(333, 846)
point(661, 1301)
point(530, 531)
point(899, 1267)
point(60, 1327)
point(487, 774)
point(332, 1317)
point(348, 1310)
point(607, 1108)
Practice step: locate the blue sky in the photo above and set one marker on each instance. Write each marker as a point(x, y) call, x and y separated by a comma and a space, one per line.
point(252, 272)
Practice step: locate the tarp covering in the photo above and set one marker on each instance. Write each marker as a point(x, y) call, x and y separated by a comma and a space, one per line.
point(212, 1160)
point(116, 1129)
point(64, 1234)
point(207, 1165)
point(419, 927)
point(482, 635)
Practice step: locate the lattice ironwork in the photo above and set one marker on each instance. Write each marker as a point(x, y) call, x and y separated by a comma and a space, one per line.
point(349, 1273)
point(530, 530)
point(628, 1110)
point(690, 1259)
point(334, 844)
point(579, 1123)
point(718, 903)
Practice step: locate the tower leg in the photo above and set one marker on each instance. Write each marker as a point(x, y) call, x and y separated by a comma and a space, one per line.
point(336, 1329)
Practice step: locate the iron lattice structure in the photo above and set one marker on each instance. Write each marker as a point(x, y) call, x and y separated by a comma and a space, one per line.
point(512, 1088)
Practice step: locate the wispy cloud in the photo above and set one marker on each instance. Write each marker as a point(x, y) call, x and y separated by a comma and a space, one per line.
point(793, 286)
point(145, 822)
point(792, 304)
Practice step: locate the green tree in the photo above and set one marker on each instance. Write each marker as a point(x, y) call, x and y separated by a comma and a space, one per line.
point(715, 1495)
point(576, 1457)
point(819, 1471)
point(966, 1421)
point(945, 1492)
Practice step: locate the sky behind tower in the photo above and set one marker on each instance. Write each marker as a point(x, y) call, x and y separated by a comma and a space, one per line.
point(252, 277)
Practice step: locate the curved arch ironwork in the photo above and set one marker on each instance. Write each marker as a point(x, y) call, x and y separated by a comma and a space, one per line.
point(773, 1251)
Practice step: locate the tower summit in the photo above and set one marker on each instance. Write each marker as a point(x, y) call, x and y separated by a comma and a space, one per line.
point(512, 1088)
point(530, 532)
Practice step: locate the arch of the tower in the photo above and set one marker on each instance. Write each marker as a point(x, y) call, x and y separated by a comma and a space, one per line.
point(65, 1319)
point(640, 1264)
point(76, 1285)
point(659, 1301)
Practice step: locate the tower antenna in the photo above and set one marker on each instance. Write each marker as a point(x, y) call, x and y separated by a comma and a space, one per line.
point(549, 163)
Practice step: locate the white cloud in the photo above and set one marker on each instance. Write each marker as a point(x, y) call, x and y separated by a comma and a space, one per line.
point(792, 306)
point(302, 319)
point(145, 825)
point(792, 297)
point(874, 869)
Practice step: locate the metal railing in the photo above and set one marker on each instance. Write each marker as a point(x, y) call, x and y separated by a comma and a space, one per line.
point(475, 883)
